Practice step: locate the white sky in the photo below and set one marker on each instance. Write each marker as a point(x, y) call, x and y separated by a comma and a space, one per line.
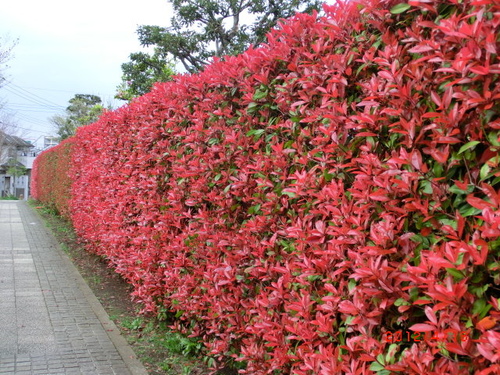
point(67, 48)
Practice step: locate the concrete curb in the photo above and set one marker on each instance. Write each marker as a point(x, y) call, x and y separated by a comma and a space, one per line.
point(126, 352)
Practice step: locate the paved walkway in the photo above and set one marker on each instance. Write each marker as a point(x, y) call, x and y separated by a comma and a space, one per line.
point(50, 321)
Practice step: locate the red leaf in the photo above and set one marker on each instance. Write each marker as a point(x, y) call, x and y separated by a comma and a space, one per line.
point(422, 327)
point(421, 48)
point(486, 323)
point(430, 314)
point(478, 203)
point(347, 307)
point(455, 348)
point(481, 70)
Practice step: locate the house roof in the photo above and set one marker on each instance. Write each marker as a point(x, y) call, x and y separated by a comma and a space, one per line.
point(13, 140)
point(11, 163)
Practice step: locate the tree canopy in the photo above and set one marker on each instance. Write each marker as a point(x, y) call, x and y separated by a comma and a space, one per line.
point(83, 109)
point(201, 29)
point(141, 72)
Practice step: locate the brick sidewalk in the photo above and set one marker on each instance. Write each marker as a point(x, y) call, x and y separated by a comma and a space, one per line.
point(50, 321)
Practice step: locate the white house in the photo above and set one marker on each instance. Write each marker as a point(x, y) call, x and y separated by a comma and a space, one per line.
point(16, 162)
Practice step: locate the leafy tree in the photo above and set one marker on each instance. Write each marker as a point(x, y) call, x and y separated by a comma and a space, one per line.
point(83, 109)
point(16, 169)
point(201, 29)
point(205, 28)
point(141, 72)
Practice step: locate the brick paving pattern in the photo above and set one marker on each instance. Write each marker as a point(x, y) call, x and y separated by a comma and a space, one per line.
point(49, 322)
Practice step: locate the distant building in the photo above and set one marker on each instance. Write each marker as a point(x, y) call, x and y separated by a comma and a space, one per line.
point(16, 162)
point(50, 142)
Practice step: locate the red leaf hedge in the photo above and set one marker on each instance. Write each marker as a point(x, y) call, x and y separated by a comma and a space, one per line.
point(50, 182)
point(305, 206)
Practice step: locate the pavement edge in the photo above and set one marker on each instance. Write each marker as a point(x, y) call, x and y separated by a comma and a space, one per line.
point(129, 357)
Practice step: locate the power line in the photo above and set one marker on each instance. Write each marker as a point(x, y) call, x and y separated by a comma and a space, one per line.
point(37, 97)
point(31, 99)
point(21, 110)
point(31, 130)
point(27, 108)
point(22, 114)
point(54, 90)
point(31, 120)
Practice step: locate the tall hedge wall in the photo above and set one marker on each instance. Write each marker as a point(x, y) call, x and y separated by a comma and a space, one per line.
point(50, 181)
point(298, 205)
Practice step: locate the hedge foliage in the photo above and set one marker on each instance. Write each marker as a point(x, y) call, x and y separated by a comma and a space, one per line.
point(50, 182)
point(295, 204)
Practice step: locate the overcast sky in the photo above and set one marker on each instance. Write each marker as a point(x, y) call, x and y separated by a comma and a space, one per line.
point(67, 48)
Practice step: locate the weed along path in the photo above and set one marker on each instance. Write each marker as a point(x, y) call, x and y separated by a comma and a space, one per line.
point(50, 321)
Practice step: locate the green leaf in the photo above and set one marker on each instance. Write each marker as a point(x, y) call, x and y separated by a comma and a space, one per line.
point(381, 359)
point(478, 290)
point(486, 169)
point(438, 169)
point(451, 223)
point(455, 273)
point(484, 172)
point(312, 278)
point(456, 190)
point(468, 146)
point(468, 210)
point(427, 186)
point(213, 141)
point(414, 292)
point(254, 209)
point(495, 181)
point(328, 176)
point(377, 43)
point(477, 277)
point(390, 356)
point(401, 302)
point(257, 133)
point(351, 285)
point(494, 247)
point(273, 120)
point(349, 320)
point(481, 308)
point(400, 8)
point(259, 95)
point(375, 366)
point(253, 106)
point(289, 193)
point(493, 266)
point(362, 67)
point(493, 138)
